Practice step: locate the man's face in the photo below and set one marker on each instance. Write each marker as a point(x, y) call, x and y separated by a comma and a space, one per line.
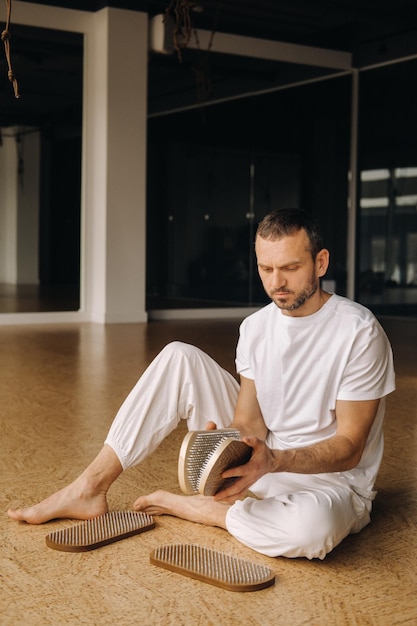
point(289, 274)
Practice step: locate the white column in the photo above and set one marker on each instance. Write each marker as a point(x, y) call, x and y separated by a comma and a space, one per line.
point(19, 207)
point(8, 210)
point(28, 184)
point(115, 167)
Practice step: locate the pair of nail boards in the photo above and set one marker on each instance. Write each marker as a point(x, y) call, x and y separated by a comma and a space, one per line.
point(198, 562)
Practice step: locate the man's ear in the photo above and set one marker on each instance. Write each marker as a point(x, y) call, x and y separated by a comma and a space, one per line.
point(322, 262)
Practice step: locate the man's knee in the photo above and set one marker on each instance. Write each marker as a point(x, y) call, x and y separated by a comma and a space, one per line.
point(302, 525)
point(179, 349)
point(173, 348)
point(311, 536)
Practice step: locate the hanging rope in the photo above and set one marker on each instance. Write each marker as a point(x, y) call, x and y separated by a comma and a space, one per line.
point(202, 67)
point(5, 37)
point(182, 23)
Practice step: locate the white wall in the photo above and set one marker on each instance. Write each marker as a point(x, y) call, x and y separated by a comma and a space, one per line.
point(113, 273)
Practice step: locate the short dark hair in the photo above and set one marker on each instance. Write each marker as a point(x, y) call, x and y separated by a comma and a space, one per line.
point(285, 222)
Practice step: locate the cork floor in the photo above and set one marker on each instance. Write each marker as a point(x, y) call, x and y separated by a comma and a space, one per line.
point(60, 387)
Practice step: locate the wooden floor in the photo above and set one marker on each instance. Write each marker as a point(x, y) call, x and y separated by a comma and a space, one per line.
point(60, 388)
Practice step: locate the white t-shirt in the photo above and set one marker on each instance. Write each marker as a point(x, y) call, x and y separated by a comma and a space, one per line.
point(302, 365)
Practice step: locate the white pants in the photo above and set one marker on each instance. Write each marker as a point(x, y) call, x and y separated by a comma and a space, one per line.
point(295, 515)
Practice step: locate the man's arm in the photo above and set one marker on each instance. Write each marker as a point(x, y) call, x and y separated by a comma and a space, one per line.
point(339, 453)
point(248, 417)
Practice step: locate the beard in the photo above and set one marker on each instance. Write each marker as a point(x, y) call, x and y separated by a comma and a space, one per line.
point(300, 298)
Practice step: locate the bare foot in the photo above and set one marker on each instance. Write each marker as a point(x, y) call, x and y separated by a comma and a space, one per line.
point(200, 509)
point(85, 498)
point(70, 502)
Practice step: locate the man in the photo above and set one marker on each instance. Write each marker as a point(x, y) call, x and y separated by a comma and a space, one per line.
point(314, 371)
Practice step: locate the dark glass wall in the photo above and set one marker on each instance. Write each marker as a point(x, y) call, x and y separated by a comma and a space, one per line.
point(387, 264)
point(215, 171)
